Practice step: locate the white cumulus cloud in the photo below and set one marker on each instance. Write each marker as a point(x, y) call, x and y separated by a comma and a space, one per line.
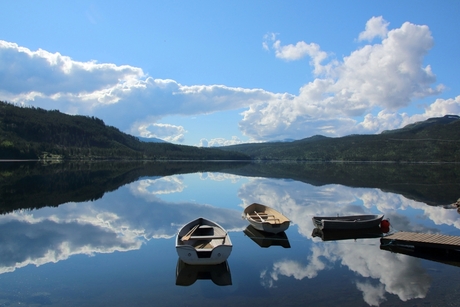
point(216, 142)
point(385, 77)
point(166, 132)
point(363, 92)
point(375, 27)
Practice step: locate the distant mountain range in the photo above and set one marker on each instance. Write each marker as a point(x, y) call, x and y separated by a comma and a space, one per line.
point(429, 125)
point(432, 140)
point(34, 133)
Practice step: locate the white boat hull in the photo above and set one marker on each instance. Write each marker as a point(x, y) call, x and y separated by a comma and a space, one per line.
point(208, 244)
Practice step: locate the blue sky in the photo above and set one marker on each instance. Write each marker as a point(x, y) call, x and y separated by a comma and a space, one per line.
point(210, 73)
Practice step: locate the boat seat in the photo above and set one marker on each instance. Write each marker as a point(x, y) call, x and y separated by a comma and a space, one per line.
point(265, 218)
point(206, 237)
point(205, 226)
point(261, 214)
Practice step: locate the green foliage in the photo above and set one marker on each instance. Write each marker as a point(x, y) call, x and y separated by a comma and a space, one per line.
point(434, 140)
point(34, 133)
point(6, 143)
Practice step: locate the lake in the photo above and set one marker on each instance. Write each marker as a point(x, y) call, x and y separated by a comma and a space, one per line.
point(102, 234)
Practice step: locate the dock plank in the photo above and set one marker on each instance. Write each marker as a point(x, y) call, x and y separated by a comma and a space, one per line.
point(423, 240)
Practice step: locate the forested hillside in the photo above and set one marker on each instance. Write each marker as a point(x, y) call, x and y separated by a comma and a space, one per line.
point(433, 140)
point(33, 133)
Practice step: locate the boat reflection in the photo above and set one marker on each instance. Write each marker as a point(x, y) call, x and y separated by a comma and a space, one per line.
point(187, 274)
point(265, 239)
point(349, 234)
point(450, 257)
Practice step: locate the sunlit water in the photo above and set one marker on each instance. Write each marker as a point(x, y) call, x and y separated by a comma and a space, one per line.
point(119, 250)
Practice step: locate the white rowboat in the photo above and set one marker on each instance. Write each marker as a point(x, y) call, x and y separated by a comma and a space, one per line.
point(202, 241)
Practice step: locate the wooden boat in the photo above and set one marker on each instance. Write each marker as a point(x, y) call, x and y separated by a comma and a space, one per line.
point(347, 222)
point(202, 241)
point(266, 239)
point(266, 219)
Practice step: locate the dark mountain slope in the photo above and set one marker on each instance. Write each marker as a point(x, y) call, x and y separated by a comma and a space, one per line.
point(433, 140)
point(32, 133)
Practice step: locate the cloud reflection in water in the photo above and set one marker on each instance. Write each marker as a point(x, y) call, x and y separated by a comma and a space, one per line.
point(394, 273)
point(122, 220)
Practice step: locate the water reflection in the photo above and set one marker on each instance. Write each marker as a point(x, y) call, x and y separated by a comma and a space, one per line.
point(450, 257)
point(148, 188)
point(26, 240)
point(265, 239)
point(187, 274)
point(348, 234)
point(118, 222)
point(143, 215)
point(376, 273)
point(300, 202)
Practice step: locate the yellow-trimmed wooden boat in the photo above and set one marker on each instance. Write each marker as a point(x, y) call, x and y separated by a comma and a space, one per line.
point(266, 219)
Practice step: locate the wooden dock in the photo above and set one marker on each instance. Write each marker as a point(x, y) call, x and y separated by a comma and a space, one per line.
point(424, 240)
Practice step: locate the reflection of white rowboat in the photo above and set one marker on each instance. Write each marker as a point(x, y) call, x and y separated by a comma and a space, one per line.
point(202, 241)
point(187, 274)
point(347, 222)
point(266, 219)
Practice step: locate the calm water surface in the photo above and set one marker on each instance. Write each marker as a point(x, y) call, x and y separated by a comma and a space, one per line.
point(119, 250)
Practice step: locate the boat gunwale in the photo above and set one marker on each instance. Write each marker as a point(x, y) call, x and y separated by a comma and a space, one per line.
point(266, 225)
point(276, 214)
point(226, 241)
point(348, 221)
point(203, 255)
point(349, 218)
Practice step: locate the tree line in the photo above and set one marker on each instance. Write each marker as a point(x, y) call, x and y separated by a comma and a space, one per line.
point(433, 140)
point(35, 133)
